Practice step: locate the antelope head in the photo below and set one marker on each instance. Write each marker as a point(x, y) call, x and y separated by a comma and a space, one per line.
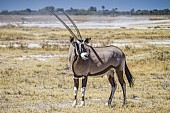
point(76, 41)
point(80, 47)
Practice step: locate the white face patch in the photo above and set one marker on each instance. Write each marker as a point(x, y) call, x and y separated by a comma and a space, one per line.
point(84, 55)
point(83, 91)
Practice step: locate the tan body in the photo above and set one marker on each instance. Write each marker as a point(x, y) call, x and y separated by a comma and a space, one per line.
point(99, 62)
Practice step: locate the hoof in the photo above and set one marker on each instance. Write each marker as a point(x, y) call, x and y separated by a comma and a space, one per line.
point(107, 104)
point(74, 103)
point(124, 104)
point(82, 103)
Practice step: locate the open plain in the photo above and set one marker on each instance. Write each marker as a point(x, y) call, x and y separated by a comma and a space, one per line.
point(33, 64)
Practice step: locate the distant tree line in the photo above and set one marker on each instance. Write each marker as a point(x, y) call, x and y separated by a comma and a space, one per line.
point(90, 11)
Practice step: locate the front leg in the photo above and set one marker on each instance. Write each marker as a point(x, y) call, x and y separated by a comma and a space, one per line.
point(76, 86)
point(84, 83)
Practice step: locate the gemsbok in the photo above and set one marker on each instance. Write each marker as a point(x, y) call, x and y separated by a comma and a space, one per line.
point(85, 61)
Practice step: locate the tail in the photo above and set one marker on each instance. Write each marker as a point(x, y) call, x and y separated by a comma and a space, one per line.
point(129, 76)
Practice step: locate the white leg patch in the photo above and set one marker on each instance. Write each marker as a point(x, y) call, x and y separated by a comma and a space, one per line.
point(74, 103)
point(75, 90)
point(83, 89)
point(82, 103)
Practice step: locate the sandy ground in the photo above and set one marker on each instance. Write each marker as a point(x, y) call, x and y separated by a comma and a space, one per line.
point(33, 79)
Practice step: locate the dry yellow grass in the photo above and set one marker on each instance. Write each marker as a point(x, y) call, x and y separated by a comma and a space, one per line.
point(30, 81)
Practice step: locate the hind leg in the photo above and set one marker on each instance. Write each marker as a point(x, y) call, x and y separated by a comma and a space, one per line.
point(122, 83)
point(113, 86)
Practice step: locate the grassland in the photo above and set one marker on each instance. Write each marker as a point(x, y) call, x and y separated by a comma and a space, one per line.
point(36, 79)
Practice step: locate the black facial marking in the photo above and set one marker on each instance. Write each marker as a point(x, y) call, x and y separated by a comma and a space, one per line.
point(79, 45)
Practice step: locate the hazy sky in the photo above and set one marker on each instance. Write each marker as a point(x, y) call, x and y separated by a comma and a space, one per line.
point(84, 4)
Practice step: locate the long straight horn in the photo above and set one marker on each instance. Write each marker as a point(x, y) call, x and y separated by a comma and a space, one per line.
point(78, 32)
point(63, 24)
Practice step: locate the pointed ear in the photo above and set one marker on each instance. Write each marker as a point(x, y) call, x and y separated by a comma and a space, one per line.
point(71, 39)
point(87, 40)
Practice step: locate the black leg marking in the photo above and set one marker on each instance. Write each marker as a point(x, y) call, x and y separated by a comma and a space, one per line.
point(76, 86)
point(84, 83)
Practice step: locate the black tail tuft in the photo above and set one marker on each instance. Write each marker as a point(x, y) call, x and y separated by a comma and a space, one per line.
point(129, 76)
